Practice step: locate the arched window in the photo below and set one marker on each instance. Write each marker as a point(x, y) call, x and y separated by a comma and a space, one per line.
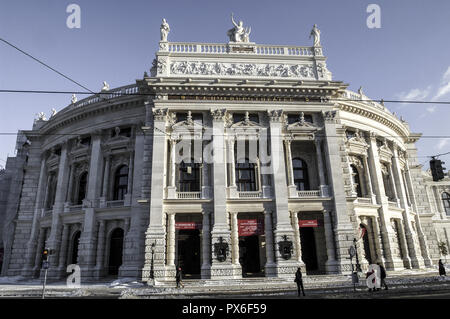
point(75, 245)
point(301, 179)
point(446, 203)
point(120, 183)
point(356, 180)
point(189, 180)
point(245, 176)
point(82, 185)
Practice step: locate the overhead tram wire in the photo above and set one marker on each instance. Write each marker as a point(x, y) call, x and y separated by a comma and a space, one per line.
point(150, 94)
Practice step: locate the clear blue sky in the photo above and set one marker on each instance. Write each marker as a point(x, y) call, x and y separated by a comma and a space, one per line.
point(407, 58)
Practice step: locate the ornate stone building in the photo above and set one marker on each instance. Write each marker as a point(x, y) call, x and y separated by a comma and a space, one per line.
point(231, 160)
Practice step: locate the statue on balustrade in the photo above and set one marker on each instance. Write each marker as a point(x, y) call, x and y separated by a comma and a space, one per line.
point(315, 33)
point(238, 33)
point(165, 29)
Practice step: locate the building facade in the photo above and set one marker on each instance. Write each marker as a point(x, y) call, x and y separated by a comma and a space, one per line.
point(230, 160)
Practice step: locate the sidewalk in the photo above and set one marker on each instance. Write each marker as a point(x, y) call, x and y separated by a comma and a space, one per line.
point(337, 286)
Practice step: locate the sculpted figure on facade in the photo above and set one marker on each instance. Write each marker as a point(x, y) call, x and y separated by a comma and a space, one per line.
point(315, 33)
point(238, 33)
point(165, 29)
point(105, 86)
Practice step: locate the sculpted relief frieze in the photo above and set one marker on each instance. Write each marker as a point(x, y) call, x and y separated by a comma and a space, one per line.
point(302, 71)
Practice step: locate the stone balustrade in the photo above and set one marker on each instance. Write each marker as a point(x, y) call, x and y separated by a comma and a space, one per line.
point(189, 195)
point(256, 194)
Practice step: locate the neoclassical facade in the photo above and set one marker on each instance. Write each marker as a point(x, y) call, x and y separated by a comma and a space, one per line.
point(230, 160)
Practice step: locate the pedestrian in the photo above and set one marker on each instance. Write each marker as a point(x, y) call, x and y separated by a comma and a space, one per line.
point(178, 277)
point(299, 281)
point(382, 276)
point(441, 268)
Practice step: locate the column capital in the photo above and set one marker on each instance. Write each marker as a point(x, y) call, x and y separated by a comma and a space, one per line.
point(218, 114)
point(275, 116)
point(160, 114)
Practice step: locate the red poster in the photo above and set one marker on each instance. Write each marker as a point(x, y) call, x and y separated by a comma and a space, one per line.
point(188, 225)
point(308, 223)
point(250, 227)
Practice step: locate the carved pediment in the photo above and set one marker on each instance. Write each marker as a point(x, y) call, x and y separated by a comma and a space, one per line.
point(79, 151)
point(385, 153)
point(187, 129)
point(245, 127)
point(118, 143)
point(53, 161)
point(357, 144)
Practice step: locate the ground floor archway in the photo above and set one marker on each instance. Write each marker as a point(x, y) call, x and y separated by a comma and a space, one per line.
point(115, 251)
point(312, 242)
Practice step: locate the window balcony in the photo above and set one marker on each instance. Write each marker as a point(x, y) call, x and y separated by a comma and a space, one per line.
point(189, 195)
point(254, 194)
point(310, 193)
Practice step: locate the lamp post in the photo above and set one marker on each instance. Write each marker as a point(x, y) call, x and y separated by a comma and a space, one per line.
point(358, 266)
point(152, 275)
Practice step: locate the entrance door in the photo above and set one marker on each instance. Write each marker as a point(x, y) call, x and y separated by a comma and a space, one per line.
point(115, 251)
point(189, 252)
point(308, 243)
point(366, 244)
point(249, 255)
point(76, 243)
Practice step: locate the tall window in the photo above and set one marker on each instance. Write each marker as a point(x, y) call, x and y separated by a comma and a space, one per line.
point(51, 191)
point(82, 185)
point(245, 176)
point(446, 203)
point(300, 169)
point(120, 183)
point(189, 180)
point(356, 180)
point(387, 182)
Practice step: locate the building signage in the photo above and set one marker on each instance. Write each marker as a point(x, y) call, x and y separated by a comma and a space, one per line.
point(188, 225)
point(308, 223)
point(250, 227)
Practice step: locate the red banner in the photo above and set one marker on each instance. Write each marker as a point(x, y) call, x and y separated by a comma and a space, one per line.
point(188, 225)
point(250, 227)
point(308, 223)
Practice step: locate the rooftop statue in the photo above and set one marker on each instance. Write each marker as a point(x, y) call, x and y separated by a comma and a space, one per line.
point(165, 29)
point(105, 86)
point(238, 33)
point(74, 99)
point(315, 32)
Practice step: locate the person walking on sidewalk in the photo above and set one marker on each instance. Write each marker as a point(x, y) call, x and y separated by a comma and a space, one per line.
point(441, 268)
point(383, 276)
point(299, 281)
point(178, 277)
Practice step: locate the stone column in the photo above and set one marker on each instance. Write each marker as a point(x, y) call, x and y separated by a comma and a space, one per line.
point(128, 195)
point(31, 245)
point(172, 189)
point(69, 196)
point(234, 239)
point(270, 267)
point(232, 188)
point(336, 163)
point(156, 232)
point(221, 229)
point(54, 240)
point(387, 234)
point(88, 238)
point(63, 252)
point(171, 241)
point(38, 253)
point(323, 187)
point(416, 260)
point(292, 189)
point(283, 227)
point(297, 240)
point(99, 261)
point(403, 244)
point(331, 264)
point(107, 168)
point(206, 246)
point(206, 182)
point(378, 241)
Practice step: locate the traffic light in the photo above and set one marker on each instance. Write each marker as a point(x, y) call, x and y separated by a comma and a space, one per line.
point(45, 254)
point(437, 170)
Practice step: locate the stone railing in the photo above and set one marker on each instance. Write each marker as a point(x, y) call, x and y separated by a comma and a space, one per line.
point(115, 203)
point(189, 195)
point(311, 193)
point(392, 204)
point(255, 194)
point(364, 99)
point(105, 95)
point(364, 200)
point(250, 48)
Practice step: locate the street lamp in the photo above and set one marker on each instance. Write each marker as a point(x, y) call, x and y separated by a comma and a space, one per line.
point(358, 266)
point(152, 275)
